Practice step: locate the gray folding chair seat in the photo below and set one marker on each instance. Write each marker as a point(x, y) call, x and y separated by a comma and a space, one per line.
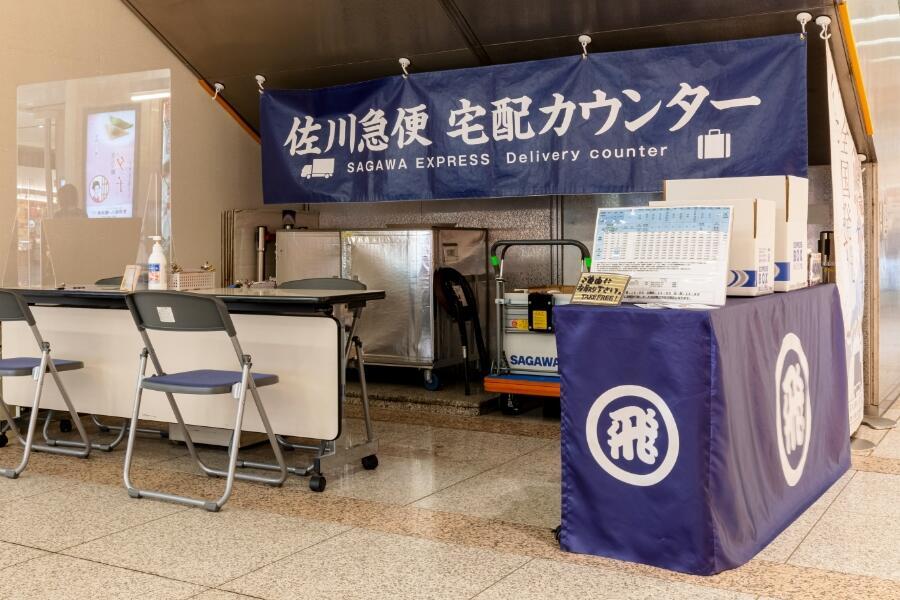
point(14, 308)
point(186, 312)
point(353, 346)
point(25, 365)
point(203, 381)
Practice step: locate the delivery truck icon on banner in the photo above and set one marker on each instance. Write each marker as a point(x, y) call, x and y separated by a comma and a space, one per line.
point(320, 167)
point(714, 144)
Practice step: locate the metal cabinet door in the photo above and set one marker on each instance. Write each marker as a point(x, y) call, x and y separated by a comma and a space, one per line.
point(305, 254)
point(398, 330)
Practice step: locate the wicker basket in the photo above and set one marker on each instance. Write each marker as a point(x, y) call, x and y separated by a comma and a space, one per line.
point(194, 279)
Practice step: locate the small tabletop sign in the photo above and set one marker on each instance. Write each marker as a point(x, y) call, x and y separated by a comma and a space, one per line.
point(600, 289)
point(130, 278)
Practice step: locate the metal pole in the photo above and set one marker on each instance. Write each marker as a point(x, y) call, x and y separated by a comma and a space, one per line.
point(261, 253)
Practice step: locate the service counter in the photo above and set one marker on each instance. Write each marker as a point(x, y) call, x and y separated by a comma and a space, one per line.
point(692, 438)
point(297, 334)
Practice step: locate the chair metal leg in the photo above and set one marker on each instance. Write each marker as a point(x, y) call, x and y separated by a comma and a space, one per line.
point(32, 421)
point(326, 451)
point(103, 447)
point(10, 422)
point(230, 473)
point(118, 428)
point(361, 361)
point(136, 411)
point(85, 443)
point(39, 374)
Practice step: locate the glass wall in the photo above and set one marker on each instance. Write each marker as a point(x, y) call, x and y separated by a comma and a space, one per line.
point(93, 178)
point(876, 27)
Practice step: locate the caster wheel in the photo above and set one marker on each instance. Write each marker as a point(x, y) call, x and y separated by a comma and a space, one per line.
point(370, 462)
point(510, 405)
point(317, 483)
point(5, 440)
point(65, 425)
point(432, 383)
point(556, 531)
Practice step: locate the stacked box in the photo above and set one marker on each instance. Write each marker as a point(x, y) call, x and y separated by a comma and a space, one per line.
point(751, 253)
point(790, 195)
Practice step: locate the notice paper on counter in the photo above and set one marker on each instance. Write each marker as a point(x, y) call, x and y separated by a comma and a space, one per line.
point(600, 289)
point(674, 255)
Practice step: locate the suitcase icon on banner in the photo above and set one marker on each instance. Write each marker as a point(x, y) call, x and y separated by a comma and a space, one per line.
point(714, 144)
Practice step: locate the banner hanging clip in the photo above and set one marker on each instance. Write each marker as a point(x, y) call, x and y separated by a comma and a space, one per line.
point(218, 87)
point(260, 80)
point(584, 40)
point(823, 21)
point(404, 62)
point(803, 18)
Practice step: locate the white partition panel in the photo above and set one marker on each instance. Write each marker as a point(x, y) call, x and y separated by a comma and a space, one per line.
point(303, 351)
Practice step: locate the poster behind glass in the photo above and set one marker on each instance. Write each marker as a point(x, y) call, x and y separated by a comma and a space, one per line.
point(110, 163)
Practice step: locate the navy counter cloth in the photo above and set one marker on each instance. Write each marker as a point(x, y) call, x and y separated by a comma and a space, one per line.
point(691, 439)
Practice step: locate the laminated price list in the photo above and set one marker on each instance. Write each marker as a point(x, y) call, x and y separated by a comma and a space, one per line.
point(677, 254)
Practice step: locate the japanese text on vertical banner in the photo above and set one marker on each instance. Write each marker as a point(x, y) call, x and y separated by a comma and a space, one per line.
point(616, 122)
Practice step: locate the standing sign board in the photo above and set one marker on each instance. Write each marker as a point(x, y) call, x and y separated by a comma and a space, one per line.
point(673, 254)
point(849, 236)
point(612, 122)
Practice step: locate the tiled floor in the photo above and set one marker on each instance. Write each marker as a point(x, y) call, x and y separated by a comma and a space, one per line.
point(460, 507)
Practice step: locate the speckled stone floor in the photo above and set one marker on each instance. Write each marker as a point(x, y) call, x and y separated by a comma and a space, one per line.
point(460, 507)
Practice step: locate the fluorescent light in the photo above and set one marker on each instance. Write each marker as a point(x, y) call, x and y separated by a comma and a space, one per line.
point(878, 42)
point(150, 96)
point(877, 19)
point(885, 59)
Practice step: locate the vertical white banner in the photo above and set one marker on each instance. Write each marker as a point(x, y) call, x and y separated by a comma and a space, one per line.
point(847, 193)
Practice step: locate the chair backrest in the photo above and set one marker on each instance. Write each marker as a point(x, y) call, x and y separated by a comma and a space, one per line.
point(14, 308)
point(455, 294)
point(117, 280)
point(179, 311)
point(323, 283)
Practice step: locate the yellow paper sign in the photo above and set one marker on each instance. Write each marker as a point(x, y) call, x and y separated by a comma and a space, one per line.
point(600, 289)
point(539, 319)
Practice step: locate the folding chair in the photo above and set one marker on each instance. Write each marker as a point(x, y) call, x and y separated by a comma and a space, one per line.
point(14, 308)
point(328, 448)
point(186, 312)
point(119, 430)
point(353, 343)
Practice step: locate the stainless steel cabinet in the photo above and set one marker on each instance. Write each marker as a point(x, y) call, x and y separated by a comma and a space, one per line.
point(407, 328)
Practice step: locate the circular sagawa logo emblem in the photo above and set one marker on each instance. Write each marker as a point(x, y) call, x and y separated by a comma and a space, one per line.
point(632, 435)
point(793, 409)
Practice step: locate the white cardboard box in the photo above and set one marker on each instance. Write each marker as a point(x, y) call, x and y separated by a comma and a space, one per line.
point(751, 254)
point(790, 195)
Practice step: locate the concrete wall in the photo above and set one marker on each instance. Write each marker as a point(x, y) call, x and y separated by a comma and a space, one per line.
point(215, 164)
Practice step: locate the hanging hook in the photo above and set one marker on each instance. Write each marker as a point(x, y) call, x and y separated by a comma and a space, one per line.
point(823, 21)
point(803, 18)
point(260, 80)
point(219, 87)
point(404, 62)
point(584, 40)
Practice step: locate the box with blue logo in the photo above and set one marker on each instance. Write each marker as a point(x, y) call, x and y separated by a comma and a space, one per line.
point(790, 195)
point(751, 254)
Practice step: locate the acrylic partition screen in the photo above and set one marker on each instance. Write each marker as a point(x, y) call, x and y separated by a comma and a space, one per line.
point(93, 178)
point(876, 26)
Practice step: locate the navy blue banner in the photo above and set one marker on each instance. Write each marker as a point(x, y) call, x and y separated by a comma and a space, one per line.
point(691, 439)
point(613, 122)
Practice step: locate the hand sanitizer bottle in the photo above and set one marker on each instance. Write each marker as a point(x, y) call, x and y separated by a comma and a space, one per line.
point(158, 266)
